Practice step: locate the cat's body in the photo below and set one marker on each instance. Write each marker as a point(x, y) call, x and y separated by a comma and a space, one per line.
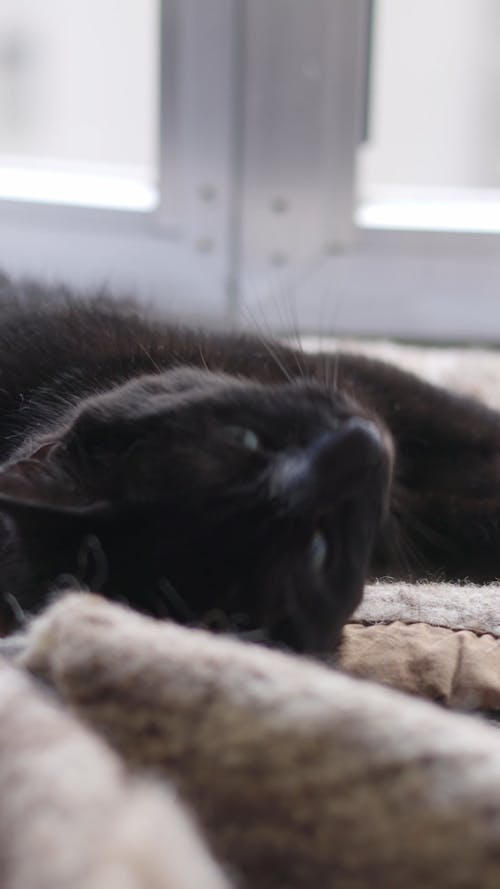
point(222, 478)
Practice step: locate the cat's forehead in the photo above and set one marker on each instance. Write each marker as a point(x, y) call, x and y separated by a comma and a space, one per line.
point(190, 399)
point(222, 395)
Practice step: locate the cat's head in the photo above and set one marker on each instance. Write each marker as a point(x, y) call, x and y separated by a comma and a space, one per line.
point(205, 498)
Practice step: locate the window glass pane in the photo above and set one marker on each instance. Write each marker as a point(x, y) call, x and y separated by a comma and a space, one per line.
point(78, 83)
point(435, 96)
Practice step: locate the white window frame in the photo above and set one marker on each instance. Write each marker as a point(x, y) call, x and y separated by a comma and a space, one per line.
point(261, 111)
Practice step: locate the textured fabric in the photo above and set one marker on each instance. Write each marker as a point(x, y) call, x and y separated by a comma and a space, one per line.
point(72, 818)
point(300, 776)
point(459, 669)
point(456, 606)
point(439, 641)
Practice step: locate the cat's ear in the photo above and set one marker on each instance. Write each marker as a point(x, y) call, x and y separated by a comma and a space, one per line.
point(46, 527)
point(38, 482)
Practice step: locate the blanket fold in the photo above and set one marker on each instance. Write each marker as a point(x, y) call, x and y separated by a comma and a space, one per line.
point(300, 776)
point(71, 817)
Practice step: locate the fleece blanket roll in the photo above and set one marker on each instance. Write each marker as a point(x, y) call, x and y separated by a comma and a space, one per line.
point(301, 776)
point(71, 817)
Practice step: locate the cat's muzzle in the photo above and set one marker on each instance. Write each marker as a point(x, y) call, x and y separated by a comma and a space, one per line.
point(335, 491)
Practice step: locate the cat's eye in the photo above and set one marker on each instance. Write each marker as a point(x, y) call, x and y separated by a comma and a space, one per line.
point(241, 435)
point(318, 550)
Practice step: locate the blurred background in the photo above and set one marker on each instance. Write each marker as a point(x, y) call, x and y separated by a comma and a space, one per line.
point(78, 81)
point(325, 166)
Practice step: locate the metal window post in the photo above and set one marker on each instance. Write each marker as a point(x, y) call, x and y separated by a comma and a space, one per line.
point(261, 107)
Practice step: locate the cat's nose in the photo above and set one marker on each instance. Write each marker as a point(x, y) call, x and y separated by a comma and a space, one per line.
point(341, 458)
point(335, 464)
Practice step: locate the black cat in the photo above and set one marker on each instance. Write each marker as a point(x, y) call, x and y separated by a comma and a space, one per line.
point(224, 480)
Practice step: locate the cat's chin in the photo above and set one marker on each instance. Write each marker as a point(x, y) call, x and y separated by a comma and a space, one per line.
point(288, 635)
point(316, 627)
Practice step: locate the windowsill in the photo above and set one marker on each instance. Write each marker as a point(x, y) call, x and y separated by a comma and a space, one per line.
point(431, 209)
point(80, 185)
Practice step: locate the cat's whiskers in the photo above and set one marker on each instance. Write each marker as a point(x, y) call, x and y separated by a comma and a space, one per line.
point(290, 324)
point(203, 359)
point(267, 345)
point(405, 545)
point(272, 352)
point(148, 355)
point(328, 372)
point(179, 609)
point(91, 547)
point(17, 610)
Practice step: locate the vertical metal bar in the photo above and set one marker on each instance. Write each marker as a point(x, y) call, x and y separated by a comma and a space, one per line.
point(302, 111)
point(196, 139)
point(237, 162)
point(168, 138)
point(345, 66)
point(368, 25)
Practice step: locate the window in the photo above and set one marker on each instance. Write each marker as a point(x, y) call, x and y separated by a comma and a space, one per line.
point(433, 157)
point(214, 155)
point(78, 98)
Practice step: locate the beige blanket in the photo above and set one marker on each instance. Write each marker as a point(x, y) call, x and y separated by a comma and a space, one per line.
point(135, 753)
point(299, 776)
point(439, 641)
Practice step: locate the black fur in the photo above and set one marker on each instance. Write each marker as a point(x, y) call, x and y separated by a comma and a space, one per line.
point(222, 479)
